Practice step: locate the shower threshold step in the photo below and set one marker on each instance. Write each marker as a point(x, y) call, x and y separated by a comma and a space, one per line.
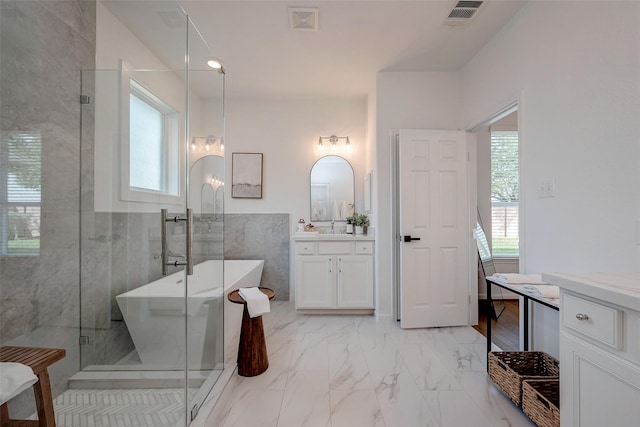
point(135, 379)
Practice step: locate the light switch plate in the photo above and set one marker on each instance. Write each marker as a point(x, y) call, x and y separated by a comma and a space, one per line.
point(547, 188)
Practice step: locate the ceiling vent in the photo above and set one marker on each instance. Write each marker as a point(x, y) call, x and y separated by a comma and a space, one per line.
point(462, 13)
point(173, 19)
point(303, 18)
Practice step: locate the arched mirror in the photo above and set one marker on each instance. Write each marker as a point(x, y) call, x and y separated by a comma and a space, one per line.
point(207, 199)
point(219, 201)
point(206, 177)
point(332, 189)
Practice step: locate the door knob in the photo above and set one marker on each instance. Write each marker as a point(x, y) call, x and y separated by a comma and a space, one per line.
point(409, 238)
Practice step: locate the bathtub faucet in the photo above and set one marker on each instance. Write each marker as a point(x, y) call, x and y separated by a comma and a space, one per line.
point(175, 255)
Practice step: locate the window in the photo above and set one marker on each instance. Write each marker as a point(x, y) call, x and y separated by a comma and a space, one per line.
point(20, 193)
point(152, 152)
point(146, 150)
point(505, 193)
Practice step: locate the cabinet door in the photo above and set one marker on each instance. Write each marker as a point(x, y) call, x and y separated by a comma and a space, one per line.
point(314, 282)
point(592, 380)
point(355, 281)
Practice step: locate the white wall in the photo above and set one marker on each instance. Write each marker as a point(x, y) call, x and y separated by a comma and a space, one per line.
point(287, 132)
point(116, 43)
point(404, 100)
point(579, 124)
point(578, 84)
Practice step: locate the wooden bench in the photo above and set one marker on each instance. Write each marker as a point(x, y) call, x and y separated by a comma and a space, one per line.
point(39, 360)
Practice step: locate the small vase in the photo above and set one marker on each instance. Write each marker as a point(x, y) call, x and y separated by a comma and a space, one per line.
point(359, 229)
point(349, 228)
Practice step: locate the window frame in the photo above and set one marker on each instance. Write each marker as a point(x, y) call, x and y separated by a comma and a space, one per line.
point(518, 204)
point(5, 204)
point(171, 179)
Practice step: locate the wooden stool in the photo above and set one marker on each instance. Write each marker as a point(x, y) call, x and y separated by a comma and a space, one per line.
point(37, 359)
point(252, 350)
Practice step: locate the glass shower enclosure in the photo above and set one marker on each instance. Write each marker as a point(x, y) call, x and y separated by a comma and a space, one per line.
point(152, 204)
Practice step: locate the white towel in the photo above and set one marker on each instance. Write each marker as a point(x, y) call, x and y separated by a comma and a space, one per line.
point(343, 211)
point(14, 379)
point(335, 213)
point(519, 279)
point(257, 302)
point(545, 291)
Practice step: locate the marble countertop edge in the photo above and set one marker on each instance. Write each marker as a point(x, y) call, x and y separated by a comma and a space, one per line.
point(622, 289)
point(329, 237)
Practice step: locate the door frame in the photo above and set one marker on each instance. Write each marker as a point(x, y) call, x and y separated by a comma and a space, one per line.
point(397, 233)
point(511, 104)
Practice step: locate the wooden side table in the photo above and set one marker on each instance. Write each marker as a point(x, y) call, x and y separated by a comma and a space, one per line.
point(39, 360)
point(252, 350)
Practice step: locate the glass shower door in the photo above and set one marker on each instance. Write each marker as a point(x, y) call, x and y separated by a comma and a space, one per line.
point(133, 234)
point(151, 245)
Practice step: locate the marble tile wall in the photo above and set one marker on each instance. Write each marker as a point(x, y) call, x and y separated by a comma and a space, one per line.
point(261, 236)
point(43, 47)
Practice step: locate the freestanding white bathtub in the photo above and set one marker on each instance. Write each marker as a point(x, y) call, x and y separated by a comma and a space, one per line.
point(155, 313)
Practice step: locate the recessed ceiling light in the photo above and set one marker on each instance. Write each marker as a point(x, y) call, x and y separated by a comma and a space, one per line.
point(216, 64)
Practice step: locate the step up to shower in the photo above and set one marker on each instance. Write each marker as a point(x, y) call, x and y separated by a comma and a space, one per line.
point(102, 379)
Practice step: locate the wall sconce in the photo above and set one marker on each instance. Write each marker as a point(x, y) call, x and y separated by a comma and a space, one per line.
point(207, 142)
point(334, 143)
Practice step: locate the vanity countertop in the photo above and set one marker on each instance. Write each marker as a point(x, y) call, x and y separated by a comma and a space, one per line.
point(321, 237)
point(622, 289)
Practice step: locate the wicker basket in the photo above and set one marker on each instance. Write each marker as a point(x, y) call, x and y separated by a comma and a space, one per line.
point(541, 402)
point(509, 368)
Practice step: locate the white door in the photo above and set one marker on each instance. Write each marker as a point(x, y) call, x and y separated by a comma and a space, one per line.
point(435, 226)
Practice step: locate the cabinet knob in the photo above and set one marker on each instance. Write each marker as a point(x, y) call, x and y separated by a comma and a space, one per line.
point(582, 316)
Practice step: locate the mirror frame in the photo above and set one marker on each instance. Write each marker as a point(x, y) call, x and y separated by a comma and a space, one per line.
point(352, 202)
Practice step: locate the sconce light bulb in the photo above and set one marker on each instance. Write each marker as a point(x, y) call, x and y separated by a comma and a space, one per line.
point(334, 147)
point(221, 145)
point(347, 145)
point(320, 146)
point(207, 146)
point(193, 145)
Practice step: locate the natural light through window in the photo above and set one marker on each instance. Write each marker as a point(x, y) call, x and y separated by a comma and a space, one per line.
point(505, 193)
point(146, 146)
point(152, 149)
point(20, 193)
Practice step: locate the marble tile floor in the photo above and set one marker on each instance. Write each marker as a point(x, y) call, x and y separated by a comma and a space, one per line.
point(359, 371)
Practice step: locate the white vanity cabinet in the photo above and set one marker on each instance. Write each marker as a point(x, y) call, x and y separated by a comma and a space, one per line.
point(334, 274)
point(599, 349)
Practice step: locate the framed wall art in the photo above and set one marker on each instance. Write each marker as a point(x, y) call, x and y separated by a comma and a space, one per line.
point(246, 175)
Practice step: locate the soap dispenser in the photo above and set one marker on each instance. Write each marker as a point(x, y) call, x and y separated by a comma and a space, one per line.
point(300, 225)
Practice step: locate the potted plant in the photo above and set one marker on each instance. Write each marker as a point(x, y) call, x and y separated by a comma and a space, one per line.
point(360, 221)
point(350, 224)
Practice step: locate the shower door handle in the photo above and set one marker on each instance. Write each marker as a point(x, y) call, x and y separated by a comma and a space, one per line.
point(188, 262)
point(189, 242)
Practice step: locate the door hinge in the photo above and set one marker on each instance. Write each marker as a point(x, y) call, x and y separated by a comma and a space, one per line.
point(85, 99)
point(84, 339)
